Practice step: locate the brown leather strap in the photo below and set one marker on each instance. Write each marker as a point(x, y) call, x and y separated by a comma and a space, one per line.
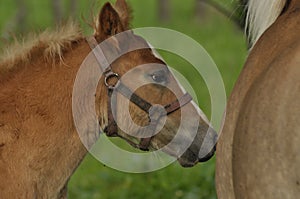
point(170, 108)
point(174, 106)
point(111, 130)
point(145, 106)
point(98, 53)
point(126, 92)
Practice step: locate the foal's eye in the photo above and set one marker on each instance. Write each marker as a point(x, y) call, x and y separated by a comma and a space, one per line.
point(159, 77)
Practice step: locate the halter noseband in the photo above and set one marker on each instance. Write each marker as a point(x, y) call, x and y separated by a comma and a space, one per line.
point(155, 113)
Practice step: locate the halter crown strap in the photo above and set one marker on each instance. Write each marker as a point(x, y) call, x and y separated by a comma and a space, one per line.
point(98, 53)
point(111, 129)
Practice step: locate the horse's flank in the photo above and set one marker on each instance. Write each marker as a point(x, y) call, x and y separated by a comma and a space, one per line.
point(52, 44)
point(258, 151)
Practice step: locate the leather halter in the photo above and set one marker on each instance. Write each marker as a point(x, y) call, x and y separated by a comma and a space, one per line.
point(154, 112)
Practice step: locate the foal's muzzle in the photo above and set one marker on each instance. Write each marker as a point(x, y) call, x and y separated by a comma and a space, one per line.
point(200, 150)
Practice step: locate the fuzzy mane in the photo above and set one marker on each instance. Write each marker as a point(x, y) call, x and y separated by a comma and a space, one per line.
point(261, 15)
point(54, 43)
point(51, 43)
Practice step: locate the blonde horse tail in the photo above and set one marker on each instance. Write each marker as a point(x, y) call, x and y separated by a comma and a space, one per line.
point(261, 15)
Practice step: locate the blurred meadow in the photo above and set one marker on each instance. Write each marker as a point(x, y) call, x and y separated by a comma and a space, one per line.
point(218, 34)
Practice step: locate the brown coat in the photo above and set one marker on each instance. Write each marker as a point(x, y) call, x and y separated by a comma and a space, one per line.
point(258, 152)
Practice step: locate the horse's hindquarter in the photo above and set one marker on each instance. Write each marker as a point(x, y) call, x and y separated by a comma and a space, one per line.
point(258, 152)
point(266, 142)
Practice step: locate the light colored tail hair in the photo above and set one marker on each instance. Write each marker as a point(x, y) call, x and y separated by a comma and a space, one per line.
point(261, 15)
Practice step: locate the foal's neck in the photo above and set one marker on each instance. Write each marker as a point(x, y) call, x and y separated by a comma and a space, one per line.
point(38, 108)
point(68, 147)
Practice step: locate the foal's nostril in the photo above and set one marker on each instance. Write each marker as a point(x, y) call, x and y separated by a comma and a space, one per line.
point(207, 157)
point(216, 141)
point(208, 147)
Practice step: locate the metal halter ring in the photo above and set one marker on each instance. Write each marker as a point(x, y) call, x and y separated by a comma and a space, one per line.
point(110, 76)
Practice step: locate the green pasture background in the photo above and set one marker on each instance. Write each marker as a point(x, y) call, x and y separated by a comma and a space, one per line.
point(222, 39)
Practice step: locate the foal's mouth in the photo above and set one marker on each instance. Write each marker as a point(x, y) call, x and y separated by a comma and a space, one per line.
point(190, 159)
point(200, 150)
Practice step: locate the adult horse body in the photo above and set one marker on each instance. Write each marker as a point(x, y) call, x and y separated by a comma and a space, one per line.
point(39, 145)
point(258, 151)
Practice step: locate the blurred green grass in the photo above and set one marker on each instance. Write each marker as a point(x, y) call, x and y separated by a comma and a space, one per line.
point(222, 40)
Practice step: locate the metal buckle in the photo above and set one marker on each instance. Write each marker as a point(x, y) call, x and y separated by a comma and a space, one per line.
point(108, 76)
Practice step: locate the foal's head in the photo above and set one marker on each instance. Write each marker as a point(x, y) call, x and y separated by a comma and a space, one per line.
point(148, 104)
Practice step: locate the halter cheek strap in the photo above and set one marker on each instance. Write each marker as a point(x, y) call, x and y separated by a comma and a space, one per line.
point(155, 115)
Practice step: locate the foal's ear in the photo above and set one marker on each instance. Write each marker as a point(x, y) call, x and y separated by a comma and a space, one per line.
point(109, 23)
point(124, 12)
